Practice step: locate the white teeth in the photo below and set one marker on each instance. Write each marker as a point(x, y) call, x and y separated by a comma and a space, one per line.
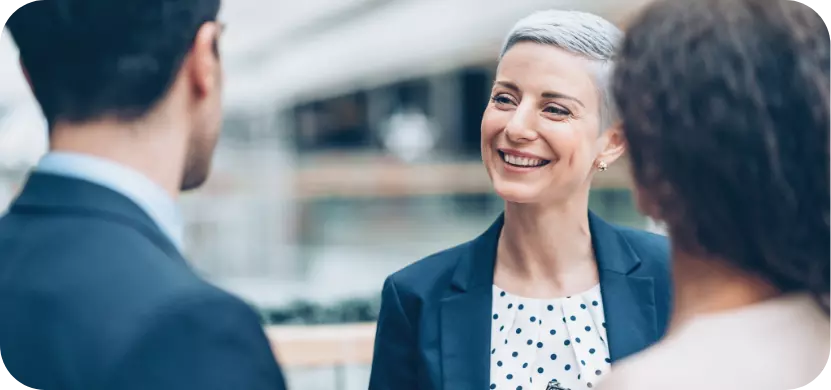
point(522, 161)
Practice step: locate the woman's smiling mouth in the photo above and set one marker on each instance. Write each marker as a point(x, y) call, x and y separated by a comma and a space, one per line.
point(521, 160)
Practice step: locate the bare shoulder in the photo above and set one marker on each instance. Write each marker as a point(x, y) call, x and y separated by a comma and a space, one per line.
point(677, 363)
point(643, 372)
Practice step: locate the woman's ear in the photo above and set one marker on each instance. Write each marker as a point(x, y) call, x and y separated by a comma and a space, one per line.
point(614, 144)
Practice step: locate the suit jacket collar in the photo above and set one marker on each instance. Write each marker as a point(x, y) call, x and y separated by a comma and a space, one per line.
point(629, 304)
point(48, 193)
point(134, 185)
point(475, 269)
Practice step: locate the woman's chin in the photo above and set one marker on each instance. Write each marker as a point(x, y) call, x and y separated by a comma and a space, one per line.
point(516, 193)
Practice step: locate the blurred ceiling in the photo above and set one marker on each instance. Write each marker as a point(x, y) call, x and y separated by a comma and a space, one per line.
point(387, 41)
point(279, 52)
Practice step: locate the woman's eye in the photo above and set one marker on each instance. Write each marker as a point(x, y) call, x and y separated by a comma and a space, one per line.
point(501, 99)
point(557, 111)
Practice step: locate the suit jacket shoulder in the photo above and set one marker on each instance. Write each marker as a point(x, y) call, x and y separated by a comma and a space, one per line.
point(420, 276)
point(95, 296)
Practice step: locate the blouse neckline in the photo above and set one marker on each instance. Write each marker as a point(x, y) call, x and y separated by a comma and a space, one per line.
point(537, 341)
point(592, 290)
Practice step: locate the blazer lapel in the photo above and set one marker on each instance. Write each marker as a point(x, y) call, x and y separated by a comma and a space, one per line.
point(628, 300)
point(629, 303)
point(466, 340)
point(631, 321)
point(466, 316)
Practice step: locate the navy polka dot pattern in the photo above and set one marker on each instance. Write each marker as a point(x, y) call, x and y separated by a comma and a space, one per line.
point(534, 346)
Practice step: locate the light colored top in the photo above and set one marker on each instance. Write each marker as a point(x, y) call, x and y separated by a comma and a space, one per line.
point(535, 341)
point(149, 196)
point(779, 344)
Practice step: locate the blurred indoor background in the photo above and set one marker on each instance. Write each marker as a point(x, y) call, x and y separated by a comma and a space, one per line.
point(350, 149)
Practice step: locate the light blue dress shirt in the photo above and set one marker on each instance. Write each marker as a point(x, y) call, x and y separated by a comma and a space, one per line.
point(149, 196)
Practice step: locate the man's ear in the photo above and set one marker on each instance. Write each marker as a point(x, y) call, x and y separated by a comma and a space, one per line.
point(203, 63)
point(615, 144)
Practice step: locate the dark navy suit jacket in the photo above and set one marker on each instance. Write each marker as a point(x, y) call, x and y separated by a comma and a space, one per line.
point(94, 296)
point(434, 329)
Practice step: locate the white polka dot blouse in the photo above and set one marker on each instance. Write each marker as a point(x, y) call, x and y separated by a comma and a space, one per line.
point(542, 344)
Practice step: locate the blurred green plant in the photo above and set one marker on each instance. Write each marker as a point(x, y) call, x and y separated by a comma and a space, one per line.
point(309, 313)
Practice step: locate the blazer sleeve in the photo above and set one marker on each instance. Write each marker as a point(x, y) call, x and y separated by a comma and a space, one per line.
point(394, 365)
point(209, 343)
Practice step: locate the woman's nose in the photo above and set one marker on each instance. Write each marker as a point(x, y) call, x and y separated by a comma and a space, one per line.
point(520, 128)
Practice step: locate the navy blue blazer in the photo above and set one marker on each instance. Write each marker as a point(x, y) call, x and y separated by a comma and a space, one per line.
point(434, 329)
point(94, 296)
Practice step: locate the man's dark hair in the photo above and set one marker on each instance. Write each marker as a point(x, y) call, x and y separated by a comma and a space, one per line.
point(92, 58)
point(725, 106)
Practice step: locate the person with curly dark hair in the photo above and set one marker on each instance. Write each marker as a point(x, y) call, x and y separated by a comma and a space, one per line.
point(725, 107)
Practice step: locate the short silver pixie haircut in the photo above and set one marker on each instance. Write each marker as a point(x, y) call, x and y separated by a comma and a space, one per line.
point(579, 33)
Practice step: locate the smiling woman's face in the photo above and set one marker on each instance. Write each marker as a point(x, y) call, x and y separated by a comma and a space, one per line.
point(540, 129)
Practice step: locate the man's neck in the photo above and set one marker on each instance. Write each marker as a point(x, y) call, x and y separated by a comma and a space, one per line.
point(156, 152)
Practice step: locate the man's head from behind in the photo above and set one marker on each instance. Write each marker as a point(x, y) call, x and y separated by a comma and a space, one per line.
point(131, 62)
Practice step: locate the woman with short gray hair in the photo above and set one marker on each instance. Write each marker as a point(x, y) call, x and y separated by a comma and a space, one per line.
point(550, 295)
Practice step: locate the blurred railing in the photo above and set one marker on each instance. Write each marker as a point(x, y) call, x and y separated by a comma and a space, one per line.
point(323, 346)
point(379, 177)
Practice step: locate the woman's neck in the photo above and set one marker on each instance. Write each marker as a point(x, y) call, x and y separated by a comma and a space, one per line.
point(707, 285)
point(546, 251)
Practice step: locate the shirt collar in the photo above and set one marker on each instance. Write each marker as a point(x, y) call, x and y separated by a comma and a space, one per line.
point(152, 199)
